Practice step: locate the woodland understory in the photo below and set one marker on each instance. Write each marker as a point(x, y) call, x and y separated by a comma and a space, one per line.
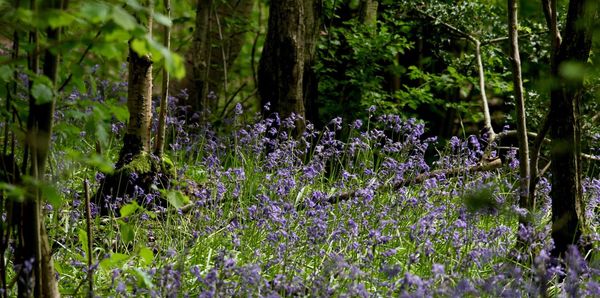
point(300, 148)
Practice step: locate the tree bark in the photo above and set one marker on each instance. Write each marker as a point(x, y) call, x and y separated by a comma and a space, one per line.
point(139, 104)
point(32, 239)
point(568, 222)
point(368, 12)
point(285, 76)
point(524, 199)
point(309, 78)
point(200, 58)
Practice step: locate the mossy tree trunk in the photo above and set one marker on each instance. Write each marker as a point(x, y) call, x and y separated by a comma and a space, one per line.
point(568, 221)
point(136, 166)
point(139, 104)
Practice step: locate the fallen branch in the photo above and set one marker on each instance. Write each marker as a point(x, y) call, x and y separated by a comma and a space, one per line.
point(590, 157)
point(481, 167)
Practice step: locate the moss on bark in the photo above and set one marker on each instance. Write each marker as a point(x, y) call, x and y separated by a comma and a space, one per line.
point(145, 171)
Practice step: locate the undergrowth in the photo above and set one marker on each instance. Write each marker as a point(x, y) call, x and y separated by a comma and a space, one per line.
point(249, 214)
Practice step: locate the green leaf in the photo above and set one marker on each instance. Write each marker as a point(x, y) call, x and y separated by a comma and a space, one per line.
point(13, 192)
point(175, 198)
point(146, 255)
point(117, 35)
point(58, 18)
point(129, 209)
point(100, 162)
point(163, 19)
point(175, 65)
point(140, 47)
point(24, 16)
point(5, 73)
point(120, 112)
point(123, 18)
point(127, 234)
point(109, 50)
point(51, 194)
point(114, 261)
point(135, 5)
point(42, 93)
point(94, 161)
point(95, 12)
point(481, 198)
point(173, 61)
point(101, 134)
point(146, 280)
point(572, 70)
point(83, 239)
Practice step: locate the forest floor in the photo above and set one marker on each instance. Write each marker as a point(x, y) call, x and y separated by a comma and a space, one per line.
point(241, 222)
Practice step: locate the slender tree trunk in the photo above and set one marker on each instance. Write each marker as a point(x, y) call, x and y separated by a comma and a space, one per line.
point(139, 104)
point(162, 116)
point(524, 200)
point(568, 222)
point(549, 8)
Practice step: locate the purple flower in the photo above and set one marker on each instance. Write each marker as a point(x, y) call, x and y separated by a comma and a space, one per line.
point(238, 109)
point(438, 270)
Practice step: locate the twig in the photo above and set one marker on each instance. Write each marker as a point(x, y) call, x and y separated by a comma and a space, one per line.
point(590, 157)
point(545, 169)
point(242, 102)
point(231, 99)
point(85, 52)
point(505, 38)
point(535, 157)
point(224, 56)
point(513, 133)
point(88, 221)
point(254, 46)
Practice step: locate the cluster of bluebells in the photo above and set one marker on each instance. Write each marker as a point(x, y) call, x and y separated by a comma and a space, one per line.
point(269, 219)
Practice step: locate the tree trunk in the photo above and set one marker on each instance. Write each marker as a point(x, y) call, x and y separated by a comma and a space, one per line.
point(200, 58)
point(217, 41)
point(568, 220)
point(32, 239)
point(139, 104)
point(368, 12)
point(524, 199)
point(287, 58)
point(162, 116)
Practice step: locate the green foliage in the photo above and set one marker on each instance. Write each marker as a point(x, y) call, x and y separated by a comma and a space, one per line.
point(116, 260)
point(42, 93)
point(176, 198)
point(352, 60)
point(129, 209)
point(127, 232)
